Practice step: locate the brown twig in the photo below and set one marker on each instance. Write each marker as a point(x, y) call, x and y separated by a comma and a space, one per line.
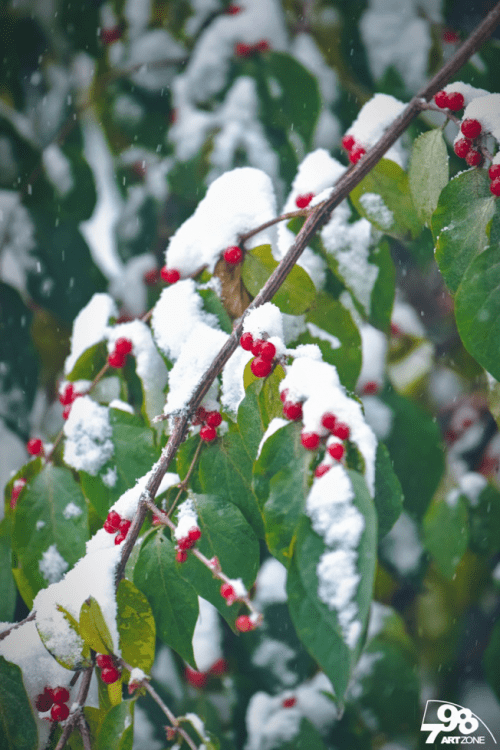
point(75, 718)
point(16, 625)
point(316, 219)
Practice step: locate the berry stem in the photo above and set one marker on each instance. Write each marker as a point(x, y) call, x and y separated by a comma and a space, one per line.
point(76, 717)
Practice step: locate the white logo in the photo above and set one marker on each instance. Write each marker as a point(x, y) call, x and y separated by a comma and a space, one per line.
point(451, 717)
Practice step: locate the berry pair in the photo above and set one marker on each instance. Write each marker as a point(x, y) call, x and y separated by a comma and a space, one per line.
point(170, 275)
point(354, 149)
point(118, 356)
point(248, 50)
point(210, 420)
point(67, 397)
point(453, 100)
point(494, 175)
point(186, 543)
point(263, 351)
point(115, 523)
point(233, 255)
point(109, 672)
point(55, 700)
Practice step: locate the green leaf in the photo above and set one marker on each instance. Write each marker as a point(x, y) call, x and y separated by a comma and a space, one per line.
point(282, 450)
point(296, 293)
point(226, 535)
point(136, 626)
point(316, 624)
point(17, 725)
point(390, 182)
point(251, 422)
point(484, 522)
point(295, 103)
point(428, 172)
point(388, 493)
point(307, 738)
point(135, 452)
point(226, 471)
point(51, 514)
point(173, 600)
point(446, 533)
point(89, 363)
point(384, 289)
point(477, 309)
point(7, 583)
point(74, 657)
point(491, 659)
point(117, 730)
point(93, 627)
point(460, 223)
point(416, 451)
point(212, 304)
point(19, 373)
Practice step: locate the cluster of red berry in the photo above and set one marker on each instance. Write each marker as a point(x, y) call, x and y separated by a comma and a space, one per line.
point(233, 255)
point(67, 397)
point(464, 147)
point(34, 446)
point(263, 351)
point(115, 523)
point(210, 421)
point(289, 702)
point(247, 50)
point(55, 700)
point(119, 355)
point(17, 488)
point(199, 679)
point(109, 671)
point(186, 543)
point(494, 175)
point(452, 100)
point(302, 201)
point(354, 149)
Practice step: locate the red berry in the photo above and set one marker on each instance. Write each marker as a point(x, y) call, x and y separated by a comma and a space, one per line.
point(262, 46)
point(471, 128)
point(194, 534)
point(59, 712)
point(44, 701)
point(116, 360)
point(495, 187)
point(455, 101)
point(214, 418)
point(110, 675)
point(34, 446)
point(124, 527)
point(107, 527)
point(244, 624)
point(448, 36)
point(104, 661)
point(283, 395)
point(233, 255)
point(474, 158)
point(200, 416)
point(208, 433)
point(185, 543)
point(494, 171)
point(302, 201)
point(68, 395)
point(356, 154)
point(267, 351)
point(17, 488)
point(123, 346)
point(257, 346)
point(60, 695)
point(181, 556)
point(196, 679)
point(321, 469)
point(441, 99)
point(220, 667)
point(119, 538)
point(370, 388)
point(462, 147)
point(232, 10)
point(336, 451)
point(289, 702)
point(341, 431)
point(114, 520)
point(246, 342)
point(329, 420)
point(152, 277)
point(292, 411)
point(170, 275)
point(243, 50)
point(156, 521)
point(348, 142)
point(108, 36)
point(227, 592)
point(261, 367)
point(310, 440)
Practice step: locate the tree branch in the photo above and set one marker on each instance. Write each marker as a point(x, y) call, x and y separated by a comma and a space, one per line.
point(76, 717)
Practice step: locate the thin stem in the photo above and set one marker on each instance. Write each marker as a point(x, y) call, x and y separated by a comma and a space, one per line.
point(316, 219)
point(183, 485)
point(85, 732)
point(16, 625)
point(290, 215)
point(76, 716)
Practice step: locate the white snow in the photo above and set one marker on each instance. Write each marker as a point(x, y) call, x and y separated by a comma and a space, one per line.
point(58, 169)
point(207, 637)
point(274, 656)
point(378, 415)
point(90, 327)
point(71, 511)
point(52, 565)
point(274, 425)
point(401, 546)
point(270, 586)
point(376, 210)
point(319, 333)
point(233, 390)
point(373, 120)
point(486, 109)
point(88, 433)
point(187, 518)
point(149, 48)
point(374, 351)
point(471, 485)
point(468, 92)
point(265, 319)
